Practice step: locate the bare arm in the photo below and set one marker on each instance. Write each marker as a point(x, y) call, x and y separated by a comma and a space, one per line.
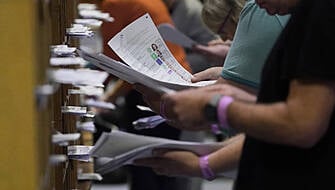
point(184, 163)
point(228, 157)
point(217, 51)
point(300, 121)
point(121, 88)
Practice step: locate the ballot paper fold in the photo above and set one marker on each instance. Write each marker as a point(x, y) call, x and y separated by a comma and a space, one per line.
point(120, 148)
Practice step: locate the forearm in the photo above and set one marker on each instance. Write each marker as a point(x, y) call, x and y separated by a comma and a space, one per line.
point(267, 122)
point(246, 93)
point(298, 121)
point(251, 91)
point(228, 157)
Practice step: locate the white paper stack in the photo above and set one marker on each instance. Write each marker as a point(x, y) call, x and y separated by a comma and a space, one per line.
point(79, 152)
point(78, 76)
point(99, 104)
point(95, 14)
point(120, 148)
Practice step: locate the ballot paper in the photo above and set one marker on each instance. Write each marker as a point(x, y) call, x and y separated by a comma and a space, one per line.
point(79, 30)
point(77, 110)
point(140, 46)
point(87, 6)
point(62, 50)
point(120, 148)
point(95, 14)
point(87, 90)
point(86, 126)
point(64, 61)
point(89, 177)
point(147, 59)
point(89, 22)
point(60, 138)
point(78, 76)
point(172, 34)
point(148, 122)
point(56, 159)
point(99, 104)
point(79, 152)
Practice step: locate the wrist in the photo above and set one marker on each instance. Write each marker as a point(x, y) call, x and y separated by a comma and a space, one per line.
point(210, 109)
point(206, 171)
point(222, 109)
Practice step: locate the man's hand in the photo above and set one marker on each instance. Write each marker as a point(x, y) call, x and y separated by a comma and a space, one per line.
point(212, 73)
point(217, 51)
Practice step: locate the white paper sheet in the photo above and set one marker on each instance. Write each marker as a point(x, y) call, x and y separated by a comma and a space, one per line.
point(86, 126)
point(120, 148)
point(64, 61)
point(151, 65)
point(78, 76)
point(132, 76)
point(60, 138)
point(140, 45)
point(79, 152)
point(89, 176)
point(99, 104)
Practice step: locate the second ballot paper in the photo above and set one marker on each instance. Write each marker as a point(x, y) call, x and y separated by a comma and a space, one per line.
point(119, 148)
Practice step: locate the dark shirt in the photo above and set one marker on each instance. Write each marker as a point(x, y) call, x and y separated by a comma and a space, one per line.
point(304, 51)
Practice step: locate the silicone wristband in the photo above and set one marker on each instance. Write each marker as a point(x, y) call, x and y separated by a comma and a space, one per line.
point(224, 102)
point(206, 171)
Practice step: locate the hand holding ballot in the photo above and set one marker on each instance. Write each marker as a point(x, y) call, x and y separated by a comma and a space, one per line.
point(120, 148)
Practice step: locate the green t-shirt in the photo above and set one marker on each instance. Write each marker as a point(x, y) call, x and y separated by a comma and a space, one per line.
point(256, 33)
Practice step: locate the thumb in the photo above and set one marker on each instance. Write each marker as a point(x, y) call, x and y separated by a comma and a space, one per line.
point(201, 76)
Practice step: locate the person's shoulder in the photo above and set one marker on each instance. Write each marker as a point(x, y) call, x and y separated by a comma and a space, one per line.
point(249, 7)
point(191, 4)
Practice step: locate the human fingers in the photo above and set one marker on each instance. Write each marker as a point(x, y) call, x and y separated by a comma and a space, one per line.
point(186, 107)
point(227, 42)
point(212, 73)
point(215, 42)
point(201, 49)
point(201, 76)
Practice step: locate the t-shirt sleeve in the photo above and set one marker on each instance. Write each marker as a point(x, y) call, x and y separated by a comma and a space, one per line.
point(317, 50)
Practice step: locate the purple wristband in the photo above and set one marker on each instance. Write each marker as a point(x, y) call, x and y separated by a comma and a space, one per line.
point(206, 171)
point(224, 102)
